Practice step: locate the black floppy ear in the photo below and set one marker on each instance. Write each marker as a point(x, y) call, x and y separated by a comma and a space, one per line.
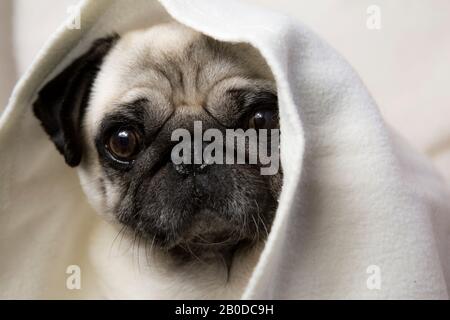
point(62, 101)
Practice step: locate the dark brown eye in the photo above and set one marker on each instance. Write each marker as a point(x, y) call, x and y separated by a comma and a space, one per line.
point(263, 119)
point(124, 144)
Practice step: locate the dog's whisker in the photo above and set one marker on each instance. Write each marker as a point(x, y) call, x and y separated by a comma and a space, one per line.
point(264, 225)
point(256, 236)
point(151, 248)
point(115, 239)
point(193, 254)
point(139, 252)
point(210, 243)
point(133, 248)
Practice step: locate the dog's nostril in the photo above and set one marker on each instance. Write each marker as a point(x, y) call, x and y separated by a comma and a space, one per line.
point(182, 169)
point(186, 169)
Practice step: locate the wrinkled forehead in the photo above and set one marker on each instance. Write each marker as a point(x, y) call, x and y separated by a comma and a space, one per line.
point(169, 64)
point(137, 59)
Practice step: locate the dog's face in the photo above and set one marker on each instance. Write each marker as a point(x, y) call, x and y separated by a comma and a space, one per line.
point(113, 112)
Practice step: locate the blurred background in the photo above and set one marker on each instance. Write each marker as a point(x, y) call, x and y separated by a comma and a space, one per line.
point(403, 56)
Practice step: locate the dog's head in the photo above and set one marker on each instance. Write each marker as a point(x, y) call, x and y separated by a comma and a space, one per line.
point(113, 111)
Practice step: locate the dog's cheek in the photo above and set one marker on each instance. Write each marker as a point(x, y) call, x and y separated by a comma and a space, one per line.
point(257, 194)
point(239, 193)
point(275, 183)
point(102, 195)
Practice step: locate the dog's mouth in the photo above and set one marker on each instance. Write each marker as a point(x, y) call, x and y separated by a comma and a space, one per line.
point(207, 235)
point(213, 234)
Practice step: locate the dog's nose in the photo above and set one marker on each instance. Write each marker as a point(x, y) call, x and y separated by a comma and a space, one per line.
point(188, 169)
point(197, 164)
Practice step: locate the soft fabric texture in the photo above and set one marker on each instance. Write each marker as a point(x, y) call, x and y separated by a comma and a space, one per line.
point(354, 195)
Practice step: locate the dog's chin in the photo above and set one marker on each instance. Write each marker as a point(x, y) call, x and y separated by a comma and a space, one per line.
point(211, 237)
point(208, 237)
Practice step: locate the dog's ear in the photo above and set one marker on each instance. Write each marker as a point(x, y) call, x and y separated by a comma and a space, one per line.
point(62, 101)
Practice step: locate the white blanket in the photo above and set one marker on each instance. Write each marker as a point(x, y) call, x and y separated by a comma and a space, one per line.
point(360, 214)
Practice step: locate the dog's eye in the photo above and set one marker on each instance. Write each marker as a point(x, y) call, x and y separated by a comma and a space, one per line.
point(263, 119)
point(124, 144)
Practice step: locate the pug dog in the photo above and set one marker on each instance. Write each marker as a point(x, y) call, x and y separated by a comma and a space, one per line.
point(111, 113)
